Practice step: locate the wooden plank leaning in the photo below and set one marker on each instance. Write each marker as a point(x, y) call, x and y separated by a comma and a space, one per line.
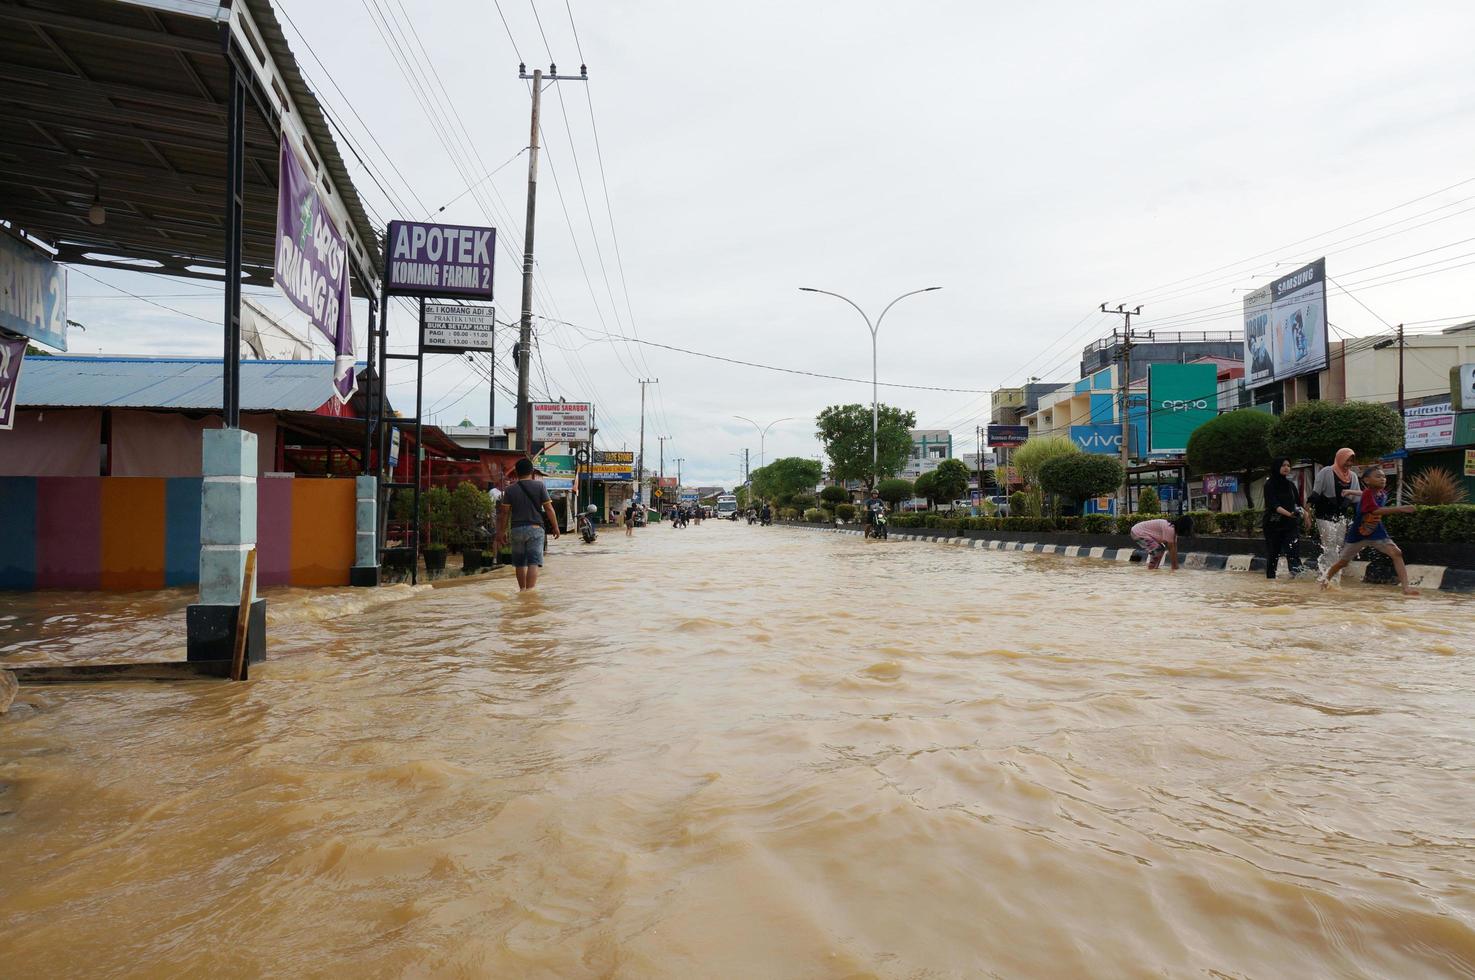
point(243, 618)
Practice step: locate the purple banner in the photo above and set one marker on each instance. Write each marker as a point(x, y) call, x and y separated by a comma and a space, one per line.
point(312, 265)
point(449, 261)
point(12, 352)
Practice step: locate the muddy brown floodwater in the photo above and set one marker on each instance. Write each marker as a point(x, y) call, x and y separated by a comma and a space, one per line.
point(730, 751)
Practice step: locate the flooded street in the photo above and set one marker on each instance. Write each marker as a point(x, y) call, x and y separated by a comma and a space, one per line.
point(732, 751)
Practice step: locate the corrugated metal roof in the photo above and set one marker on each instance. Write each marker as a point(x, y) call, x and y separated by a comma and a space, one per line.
point(171, 382)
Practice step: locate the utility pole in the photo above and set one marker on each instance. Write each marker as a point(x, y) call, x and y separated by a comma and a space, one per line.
point(978, 434)
point(1124, 354)
point(662, 440)
point(679, 461)
point(1399, 498)
point(640, 463)
point(525, 326)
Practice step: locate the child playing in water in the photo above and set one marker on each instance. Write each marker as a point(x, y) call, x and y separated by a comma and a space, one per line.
point(1159, 537)
point(1368, 530)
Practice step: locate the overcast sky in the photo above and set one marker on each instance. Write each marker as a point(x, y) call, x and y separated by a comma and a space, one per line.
point(1034, 160)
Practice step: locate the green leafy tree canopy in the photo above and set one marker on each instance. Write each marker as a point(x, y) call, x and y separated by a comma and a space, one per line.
point(926, 486)
point(833, 494)
point(894, 491)
point(845, 431)
point(1030, 457)
point(1078, 476)
point(1235, 442)
point(950, 480)
point(1316, 430)
point(783, 478)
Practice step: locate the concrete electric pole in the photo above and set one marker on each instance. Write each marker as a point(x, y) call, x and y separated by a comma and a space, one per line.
point(525, 326)
point(1124, 355)
point(640, 464)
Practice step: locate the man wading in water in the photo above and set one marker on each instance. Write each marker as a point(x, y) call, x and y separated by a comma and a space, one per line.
point(527, 508)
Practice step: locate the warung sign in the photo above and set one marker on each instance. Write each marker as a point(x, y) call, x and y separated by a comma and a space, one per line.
point(561, 421)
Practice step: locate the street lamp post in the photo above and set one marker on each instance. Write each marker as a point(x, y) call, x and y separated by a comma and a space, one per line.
point(762, 433)
point(874, 329)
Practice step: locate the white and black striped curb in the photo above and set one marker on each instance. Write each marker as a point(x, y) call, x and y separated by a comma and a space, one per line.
point(1419, 576)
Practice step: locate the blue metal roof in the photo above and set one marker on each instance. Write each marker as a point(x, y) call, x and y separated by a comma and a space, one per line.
point(171, 382)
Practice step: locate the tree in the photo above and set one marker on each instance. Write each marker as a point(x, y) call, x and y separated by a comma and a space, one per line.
point(471, 510)
point(1316, 430)
point(833, 494)
point(926, 486)
point(1235, 442)
point(1077, 476)
point(845, 431)
point(781, 479)
point(1148, 502)
point(895, 491)
point(1029, 457)
point(950, 480)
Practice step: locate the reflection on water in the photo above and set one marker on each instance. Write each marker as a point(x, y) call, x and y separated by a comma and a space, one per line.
point(736, 751)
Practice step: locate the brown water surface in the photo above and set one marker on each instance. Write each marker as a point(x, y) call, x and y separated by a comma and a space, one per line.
point(730, 751)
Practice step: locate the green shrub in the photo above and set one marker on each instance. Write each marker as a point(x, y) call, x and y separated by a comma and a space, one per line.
point(906, 520)
point(1077, 476)
point(1028, 523)
point(894, 491)
point(1018, 503)
point(1443, 523)
point(1098, 523)
point(846, 512)
point(1125, 521)
point(834, 494)
point(1148, 501)
point(802, 501)
point(814, 515)
point(1068, 523)
point(1204, 521)
point(1317, 429)
point(1251, 521)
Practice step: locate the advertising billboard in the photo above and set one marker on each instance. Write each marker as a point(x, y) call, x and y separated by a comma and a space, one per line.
point(452, 328)
point(1180, 398)
point(1104, 440)
point(1285, 326)
point(1007, 436)
point(1428, 426)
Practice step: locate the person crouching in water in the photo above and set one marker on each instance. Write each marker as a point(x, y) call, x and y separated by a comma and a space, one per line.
point(1159, 537)
point(1368, 530)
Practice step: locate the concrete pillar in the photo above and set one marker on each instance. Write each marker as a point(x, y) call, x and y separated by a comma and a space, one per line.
point(227, 533)
point(365, 569)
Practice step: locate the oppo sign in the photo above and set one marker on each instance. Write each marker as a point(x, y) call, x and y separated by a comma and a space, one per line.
point(1181, 397)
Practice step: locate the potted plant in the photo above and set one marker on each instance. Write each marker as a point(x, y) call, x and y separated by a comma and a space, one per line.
point(470, 559)
point(435, 557)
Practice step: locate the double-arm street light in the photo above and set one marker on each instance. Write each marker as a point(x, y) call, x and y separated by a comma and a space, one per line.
point(874, 328)
point(762, 433)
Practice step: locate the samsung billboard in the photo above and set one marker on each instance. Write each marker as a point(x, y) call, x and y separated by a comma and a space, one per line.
point(1285, 326)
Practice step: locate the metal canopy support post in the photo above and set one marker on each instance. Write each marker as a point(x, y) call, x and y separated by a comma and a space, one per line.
point(419, 446)
point(234, 209)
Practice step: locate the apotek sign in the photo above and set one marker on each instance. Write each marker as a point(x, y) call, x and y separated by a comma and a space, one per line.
point(561, 421)
point(1180, 398)
point(33, 294)
point(1007, 436)
point(448, 261)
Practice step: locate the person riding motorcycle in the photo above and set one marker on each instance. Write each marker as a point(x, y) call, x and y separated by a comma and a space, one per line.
point(875, 516)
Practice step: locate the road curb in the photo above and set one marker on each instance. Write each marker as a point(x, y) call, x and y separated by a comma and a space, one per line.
point(1437, 577)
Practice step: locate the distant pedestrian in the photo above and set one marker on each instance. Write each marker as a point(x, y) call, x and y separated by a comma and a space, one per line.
point(1335, 495)
point(630, 520)
point(1282, 522)
point(526, 510)
point(1369, 531)
point(1160, 537)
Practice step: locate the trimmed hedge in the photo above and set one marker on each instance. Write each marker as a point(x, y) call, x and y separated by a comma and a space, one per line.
point(1443, 524)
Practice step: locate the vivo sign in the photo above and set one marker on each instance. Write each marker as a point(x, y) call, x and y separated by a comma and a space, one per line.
point(1105, 440)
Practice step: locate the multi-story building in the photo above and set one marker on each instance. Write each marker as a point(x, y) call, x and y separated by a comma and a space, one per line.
point(929, 447)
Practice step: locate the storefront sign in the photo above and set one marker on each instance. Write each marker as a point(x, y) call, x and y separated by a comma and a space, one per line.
point(1462, 387)
point(448, 261)
point(1104, 440)
point(626, 456)
point(556, 465)
point(561, 421)
point(12, 354)
point(1470, 462)
point(1220, 484)
point(1180, 398)
point(624, 472)
point(451, 328)
point(1428, 426)
point(33, 294)
point(312, 265)
point(1007, 435)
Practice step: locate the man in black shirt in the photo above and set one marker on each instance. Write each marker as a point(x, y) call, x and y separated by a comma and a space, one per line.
point(525, 505)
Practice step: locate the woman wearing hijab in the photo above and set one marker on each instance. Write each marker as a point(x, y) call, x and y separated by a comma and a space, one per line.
point(1282, 522)
point(1333, 497)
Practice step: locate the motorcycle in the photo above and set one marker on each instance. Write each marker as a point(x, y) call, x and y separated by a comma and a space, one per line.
point(877, 528)
point(587, 530)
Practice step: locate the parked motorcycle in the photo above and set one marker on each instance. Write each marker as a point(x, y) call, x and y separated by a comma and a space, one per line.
point(587, 530)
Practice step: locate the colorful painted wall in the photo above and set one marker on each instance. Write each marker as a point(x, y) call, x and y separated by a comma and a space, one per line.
point(122, 533)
